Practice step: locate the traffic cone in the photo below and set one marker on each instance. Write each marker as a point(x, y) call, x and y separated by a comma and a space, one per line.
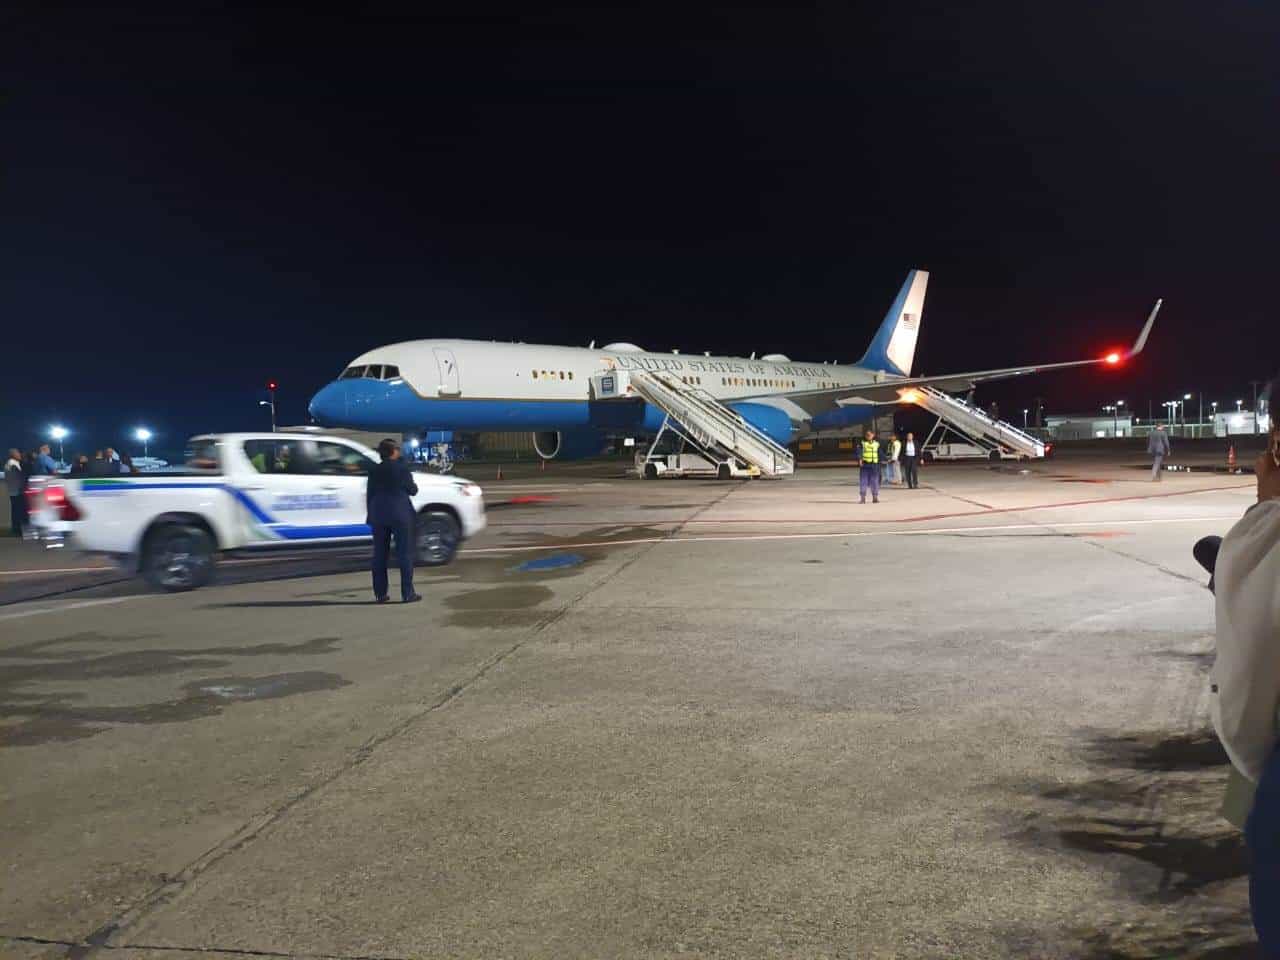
point(1231, 458)
point(499, 477)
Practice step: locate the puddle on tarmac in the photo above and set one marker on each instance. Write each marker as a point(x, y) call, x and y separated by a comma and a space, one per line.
point(30, 716)
point(517, 596)
point(264, 688)
point(550, 561)
point(496, 606)
point(57, 719)
point(607, 534)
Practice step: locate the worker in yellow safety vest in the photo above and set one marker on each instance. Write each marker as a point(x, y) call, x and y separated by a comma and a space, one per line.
point(869, 466)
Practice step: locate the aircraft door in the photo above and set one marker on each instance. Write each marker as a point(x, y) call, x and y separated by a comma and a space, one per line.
point(450, 383)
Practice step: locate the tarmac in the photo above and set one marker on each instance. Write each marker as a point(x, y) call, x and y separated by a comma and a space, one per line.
point(675, 718)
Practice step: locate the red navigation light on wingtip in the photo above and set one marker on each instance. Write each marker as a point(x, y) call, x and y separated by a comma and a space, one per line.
point(271, 384)
point(1112, 358)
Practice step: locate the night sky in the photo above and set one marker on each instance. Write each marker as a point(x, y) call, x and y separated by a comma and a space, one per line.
point(196, 201)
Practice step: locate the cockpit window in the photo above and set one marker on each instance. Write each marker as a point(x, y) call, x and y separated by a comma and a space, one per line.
point(375, 371)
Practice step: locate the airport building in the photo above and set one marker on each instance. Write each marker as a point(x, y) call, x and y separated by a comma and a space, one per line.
point(1089, 426)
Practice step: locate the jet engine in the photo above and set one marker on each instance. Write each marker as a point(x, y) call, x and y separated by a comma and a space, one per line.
point(568, 444)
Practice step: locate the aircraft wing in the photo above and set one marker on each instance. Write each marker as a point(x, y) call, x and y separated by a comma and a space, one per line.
point(889, 389)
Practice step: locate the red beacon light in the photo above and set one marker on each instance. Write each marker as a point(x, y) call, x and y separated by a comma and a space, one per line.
point(1113, 358)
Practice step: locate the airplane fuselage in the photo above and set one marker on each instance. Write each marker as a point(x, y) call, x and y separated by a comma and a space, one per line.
point(475, 385)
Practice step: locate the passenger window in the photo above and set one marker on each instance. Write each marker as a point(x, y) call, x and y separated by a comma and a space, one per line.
point(570, 374)
point(534, 374)
point(337, 459)
point(202, 456)
point(561, 374)
point(273, 456)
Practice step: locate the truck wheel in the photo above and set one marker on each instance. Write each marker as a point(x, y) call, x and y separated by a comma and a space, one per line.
point(650, 471)
point(437, 538)
point(177, 558)
point(722, 472)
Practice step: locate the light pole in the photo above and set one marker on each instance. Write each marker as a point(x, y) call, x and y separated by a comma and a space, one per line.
point(1025, 411)
point(1185, 398)
point(60, 434)
point(271, 392)
point(1111, 409)
point(143, 435)
point(1239, 404)
point(1119, 404)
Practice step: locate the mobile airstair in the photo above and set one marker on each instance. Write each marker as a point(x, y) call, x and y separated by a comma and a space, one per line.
point(716, 431)
point(996, 438)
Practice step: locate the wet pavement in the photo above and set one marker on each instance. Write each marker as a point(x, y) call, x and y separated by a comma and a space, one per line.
point(670, 718)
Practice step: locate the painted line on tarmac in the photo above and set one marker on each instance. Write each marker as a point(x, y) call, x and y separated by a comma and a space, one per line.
point(932, 531)
point(113, 569)
point(32, 573)
point(923, 517)
point(77, 606)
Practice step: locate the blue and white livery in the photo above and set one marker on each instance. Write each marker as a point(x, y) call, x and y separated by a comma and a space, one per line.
point(472, 385)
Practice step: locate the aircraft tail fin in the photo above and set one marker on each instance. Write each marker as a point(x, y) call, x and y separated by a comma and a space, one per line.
point(894, 346)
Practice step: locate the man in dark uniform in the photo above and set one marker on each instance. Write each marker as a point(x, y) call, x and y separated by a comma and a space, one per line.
point(391, 511)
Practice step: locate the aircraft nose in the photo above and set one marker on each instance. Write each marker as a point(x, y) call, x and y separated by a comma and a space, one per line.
point(329, 405)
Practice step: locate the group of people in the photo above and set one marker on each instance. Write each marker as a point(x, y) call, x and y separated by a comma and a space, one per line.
point(887, 460)
point(20, 467)
point(105, 463)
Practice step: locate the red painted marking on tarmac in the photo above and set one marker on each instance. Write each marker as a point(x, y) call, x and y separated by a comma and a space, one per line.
point(520, 501)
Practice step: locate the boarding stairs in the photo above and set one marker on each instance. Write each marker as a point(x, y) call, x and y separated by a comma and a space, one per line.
point(704, 422)
point(994, 436)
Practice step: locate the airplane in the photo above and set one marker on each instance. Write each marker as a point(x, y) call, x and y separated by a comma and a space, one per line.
point(473, 385)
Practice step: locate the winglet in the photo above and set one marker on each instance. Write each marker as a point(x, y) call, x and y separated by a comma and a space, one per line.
point(1146, 331)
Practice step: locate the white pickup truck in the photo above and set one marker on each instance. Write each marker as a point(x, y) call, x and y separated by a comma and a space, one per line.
point(243, 492)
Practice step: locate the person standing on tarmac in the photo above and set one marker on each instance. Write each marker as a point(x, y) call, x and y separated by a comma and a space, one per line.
point(895, 465)
point(391, 512)
point(910, 456)
point(15, 483)
point(869, 467)
point(1158, 447)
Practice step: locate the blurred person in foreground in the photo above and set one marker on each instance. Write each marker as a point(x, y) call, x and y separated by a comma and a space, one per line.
point(391, 512)
point(1246, 677)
